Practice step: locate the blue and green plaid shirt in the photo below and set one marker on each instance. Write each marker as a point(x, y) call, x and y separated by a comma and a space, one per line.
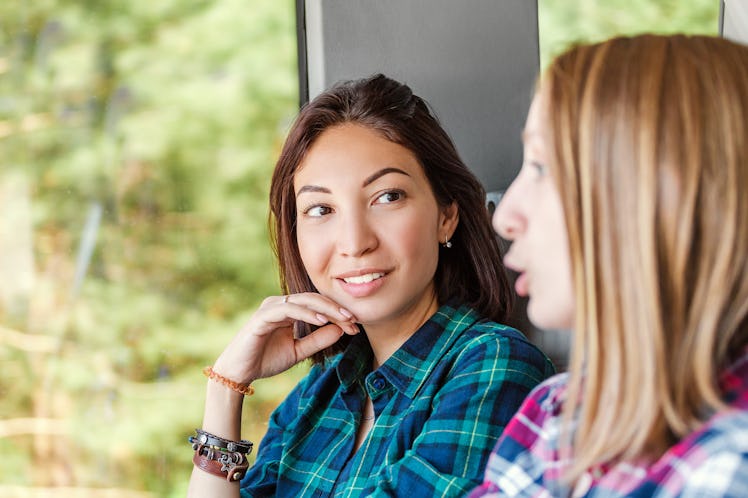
point(441, 401)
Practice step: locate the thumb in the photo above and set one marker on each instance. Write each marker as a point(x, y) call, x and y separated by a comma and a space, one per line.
point(322, 338)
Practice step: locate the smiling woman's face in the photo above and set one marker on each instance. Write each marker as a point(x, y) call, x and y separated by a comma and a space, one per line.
point(531, 216)
point(369, 227)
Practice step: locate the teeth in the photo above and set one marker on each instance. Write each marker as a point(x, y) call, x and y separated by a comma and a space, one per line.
point(363, 279)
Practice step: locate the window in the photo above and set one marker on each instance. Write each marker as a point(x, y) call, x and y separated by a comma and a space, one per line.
point(136, 143)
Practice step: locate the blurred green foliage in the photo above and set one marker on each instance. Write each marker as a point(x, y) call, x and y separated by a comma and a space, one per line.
point(164, 118)
point(562, 23)
point(144, 132)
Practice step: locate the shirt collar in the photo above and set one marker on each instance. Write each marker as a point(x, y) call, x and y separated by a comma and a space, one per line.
point(409, 366)
point(355, 361)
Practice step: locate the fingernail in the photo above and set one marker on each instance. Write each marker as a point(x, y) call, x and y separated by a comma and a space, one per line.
point(322, 319)
point(346, 313)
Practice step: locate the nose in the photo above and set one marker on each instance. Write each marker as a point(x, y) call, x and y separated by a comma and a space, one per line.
point(509, 221)
point(356, 235)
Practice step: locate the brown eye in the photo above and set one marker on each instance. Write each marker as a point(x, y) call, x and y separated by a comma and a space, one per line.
point(390, 196)
point(317, 211)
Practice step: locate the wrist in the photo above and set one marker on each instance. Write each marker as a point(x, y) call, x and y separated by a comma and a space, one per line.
point(220, 457)
point(228, 369)
point(245, 389)
point(223, 411)
point(223, 404)
point(222, 397)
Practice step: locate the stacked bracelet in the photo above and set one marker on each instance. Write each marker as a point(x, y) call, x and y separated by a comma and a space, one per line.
point(220, 457)
point(245, 389)
point(207, 439)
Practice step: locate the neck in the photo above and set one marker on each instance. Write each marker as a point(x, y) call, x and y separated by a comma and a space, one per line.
point(387, 337)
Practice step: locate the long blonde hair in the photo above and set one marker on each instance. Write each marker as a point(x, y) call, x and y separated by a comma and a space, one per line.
point(650, 138)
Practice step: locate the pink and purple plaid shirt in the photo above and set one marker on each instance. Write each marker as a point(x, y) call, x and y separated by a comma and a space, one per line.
point(711, 462)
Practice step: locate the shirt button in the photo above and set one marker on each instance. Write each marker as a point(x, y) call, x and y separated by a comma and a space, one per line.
point(378, 383)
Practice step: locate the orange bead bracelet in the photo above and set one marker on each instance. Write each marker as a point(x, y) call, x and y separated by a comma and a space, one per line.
point(245, 389)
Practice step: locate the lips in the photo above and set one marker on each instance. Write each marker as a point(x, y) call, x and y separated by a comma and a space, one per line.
point(363, 282)
point(522, 283)
point(363, 273)
point(363, 279)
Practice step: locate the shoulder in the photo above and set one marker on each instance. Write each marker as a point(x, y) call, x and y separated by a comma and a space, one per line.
point(725, 434)
point(529, 442)
point(487, 332)
point(713, 461)
point(545, 402)
point(505, 344)
point(726, 431)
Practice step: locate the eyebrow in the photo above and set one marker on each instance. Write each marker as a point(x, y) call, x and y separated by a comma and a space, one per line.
point(368, 181)
point(313, 188)
point(381, 173)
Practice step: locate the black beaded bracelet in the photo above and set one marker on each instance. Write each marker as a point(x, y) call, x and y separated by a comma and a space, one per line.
point(204, 438)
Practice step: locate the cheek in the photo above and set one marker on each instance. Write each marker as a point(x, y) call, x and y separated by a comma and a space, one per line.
point(423, 255)
point(417, 239)
point(566, 302)
point(561, 260)
point(555, 303)
point(551, 304)
point(311, 251)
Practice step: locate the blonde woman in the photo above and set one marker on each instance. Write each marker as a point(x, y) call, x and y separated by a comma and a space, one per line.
point(629, 226)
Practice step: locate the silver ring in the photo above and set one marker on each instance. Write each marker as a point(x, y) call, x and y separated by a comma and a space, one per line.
point(285, 299)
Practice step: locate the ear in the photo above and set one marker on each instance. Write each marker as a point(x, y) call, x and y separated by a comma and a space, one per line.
point(448, 220)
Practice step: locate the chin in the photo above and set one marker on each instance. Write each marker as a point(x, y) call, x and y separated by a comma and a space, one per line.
point(549, 317)
point(362, 311)
point(366, 317)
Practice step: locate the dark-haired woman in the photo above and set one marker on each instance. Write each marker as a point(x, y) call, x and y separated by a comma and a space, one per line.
point(394, 287)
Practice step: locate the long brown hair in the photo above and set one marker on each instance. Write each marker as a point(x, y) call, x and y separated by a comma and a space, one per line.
point(470, 272)
point(651, 161)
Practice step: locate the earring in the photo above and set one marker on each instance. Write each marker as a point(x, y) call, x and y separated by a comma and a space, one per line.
point(447, 242)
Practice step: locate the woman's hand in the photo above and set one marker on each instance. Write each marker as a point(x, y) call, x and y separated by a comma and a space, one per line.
point(266, 346)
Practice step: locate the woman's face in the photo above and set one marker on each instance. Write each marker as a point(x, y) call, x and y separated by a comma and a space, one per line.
point(368, 226)
point(531, 216)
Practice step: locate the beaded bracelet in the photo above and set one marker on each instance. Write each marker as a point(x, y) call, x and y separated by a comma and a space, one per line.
point(245, 389)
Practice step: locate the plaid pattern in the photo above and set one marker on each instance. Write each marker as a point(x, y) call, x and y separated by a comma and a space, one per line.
point(711, 462)
point(441, 402)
